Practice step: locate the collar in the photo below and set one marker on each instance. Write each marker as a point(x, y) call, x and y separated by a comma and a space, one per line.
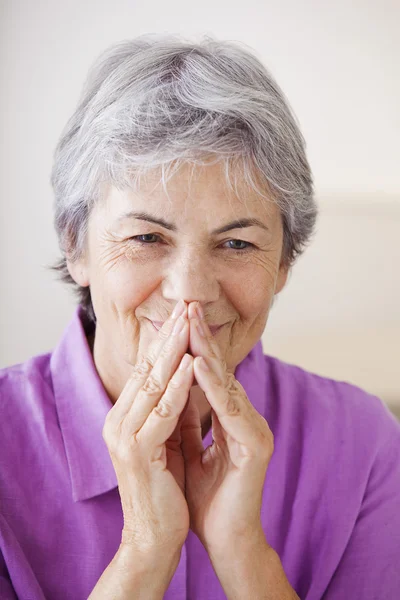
point(82, 406)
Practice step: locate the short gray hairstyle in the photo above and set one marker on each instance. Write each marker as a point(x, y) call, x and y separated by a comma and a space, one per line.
point(159, 101)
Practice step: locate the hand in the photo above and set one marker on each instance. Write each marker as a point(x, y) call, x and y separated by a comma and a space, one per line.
point(142, 435)
point(224, 483)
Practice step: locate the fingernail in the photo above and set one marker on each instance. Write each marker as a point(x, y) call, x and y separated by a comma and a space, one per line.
point(203, 365)
point(178, 310)
point(185, 362)
point(179, 325)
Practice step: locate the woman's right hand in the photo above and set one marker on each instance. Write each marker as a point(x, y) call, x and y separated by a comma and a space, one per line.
point(142, 435)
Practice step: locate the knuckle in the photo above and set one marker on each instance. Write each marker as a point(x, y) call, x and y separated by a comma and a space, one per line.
point(126, 449)
point(265, 428)
point(109, 431)
point(163, 334)
point(152, 386)
point(110, 439)
point(108, 428)
point(232, 391)
point(142, 368)
point(168, 347)
point(105, 435)
point(232, 406)
point(266, 438)
point(109, 418)
point(164, 409)
point(232, 384)
point(175, 383)
point(124, 453)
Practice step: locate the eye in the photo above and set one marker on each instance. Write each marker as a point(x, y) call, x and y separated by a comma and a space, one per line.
point(135, 238)
point(248, 247)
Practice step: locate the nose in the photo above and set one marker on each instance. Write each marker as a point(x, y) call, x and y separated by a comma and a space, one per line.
point(192, 278)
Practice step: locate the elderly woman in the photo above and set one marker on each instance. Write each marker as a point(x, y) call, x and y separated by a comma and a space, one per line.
point(157, 452)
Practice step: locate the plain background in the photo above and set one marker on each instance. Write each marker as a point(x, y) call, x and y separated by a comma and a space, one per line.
point(338, 64)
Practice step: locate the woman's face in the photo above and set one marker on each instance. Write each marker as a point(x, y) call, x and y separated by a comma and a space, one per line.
point(136, 280)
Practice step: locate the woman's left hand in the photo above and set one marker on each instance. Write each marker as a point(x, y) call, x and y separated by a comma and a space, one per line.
point(224, 483)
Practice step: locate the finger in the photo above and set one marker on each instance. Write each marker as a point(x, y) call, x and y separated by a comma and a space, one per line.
point(228, 399)
point(203, 343)
point(175, 437)
point(191, 439)
point(158, 379)
point(218, 433)
point(142, 369)
point(164, 417)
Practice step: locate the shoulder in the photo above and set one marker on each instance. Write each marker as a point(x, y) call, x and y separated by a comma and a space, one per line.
point(36, 367)
point(24, 387)
point(342, 408)
point(29, 426)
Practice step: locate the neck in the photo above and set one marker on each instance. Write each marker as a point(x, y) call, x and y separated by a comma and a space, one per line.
point(113, 376)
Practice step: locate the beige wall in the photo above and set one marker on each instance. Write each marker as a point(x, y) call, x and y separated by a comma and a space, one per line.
point(338, 65)
point(339, 314)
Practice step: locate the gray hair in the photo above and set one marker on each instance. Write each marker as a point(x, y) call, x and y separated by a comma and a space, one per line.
point(160, 101)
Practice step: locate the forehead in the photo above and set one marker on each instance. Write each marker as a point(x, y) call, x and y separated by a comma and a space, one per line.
point(202, 191)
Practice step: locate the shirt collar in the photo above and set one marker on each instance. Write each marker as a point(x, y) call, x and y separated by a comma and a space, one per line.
point(82, 406)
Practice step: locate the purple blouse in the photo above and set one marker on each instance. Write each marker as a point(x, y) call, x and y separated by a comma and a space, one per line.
point(331, 500)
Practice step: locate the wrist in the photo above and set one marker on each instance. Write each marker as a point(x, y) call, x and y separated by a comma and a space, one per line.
point(150, 571)
point(133, 574)
point(152, 559)
point(243, 545)
point(252, 571)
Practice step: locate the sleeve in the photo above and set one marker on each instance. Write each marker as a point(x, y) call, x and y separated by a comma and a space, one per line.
point(6, 589)
point(370, 566)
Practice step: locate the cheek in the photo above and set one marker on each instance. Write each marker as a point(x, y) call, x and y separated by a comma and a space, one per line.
point(124, 287)
point(251, 295)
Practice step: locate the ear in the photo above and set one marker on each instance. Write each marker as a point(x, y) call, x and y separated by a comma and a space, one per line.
point(282, 278)
point(79, 272)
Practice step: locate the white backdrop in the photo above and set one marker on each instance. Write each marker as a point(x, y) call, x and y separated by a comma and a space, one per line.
point(338, 65)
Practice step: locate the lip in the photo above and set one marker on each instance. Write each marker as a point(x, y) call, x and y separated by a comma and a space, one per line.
point(213, 328)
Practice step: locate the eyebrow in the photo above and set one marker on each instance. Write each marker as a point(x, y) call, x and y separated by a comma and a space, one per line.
point(239, 223)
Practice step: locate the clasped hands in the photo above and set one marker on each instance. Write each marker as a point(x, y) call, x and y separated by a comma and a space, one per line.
point(223, 484)
point(167, 482)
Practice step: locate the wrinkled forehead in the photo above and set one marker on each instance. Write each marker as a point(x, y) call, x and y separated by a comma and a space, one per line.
point(192, 192)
